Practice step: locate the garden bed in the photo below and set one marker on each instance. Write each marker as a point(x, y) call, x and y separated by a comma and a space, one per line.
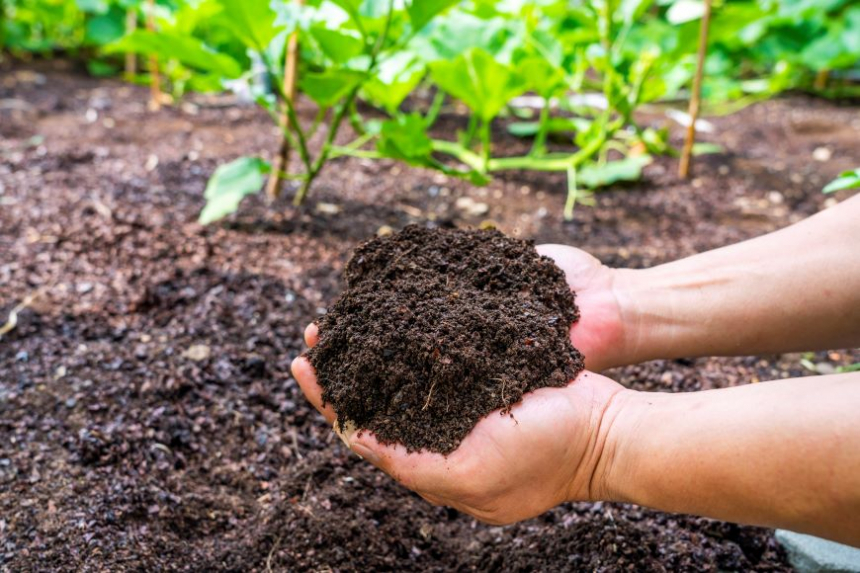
point(148, 419)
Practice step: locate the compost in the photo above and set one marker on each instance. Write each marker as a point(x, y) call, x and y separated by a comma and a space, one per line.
point(439, 327)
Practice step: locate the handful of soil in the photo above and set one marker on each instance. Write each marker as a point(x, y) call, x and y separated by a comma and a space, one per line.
point(438, 328)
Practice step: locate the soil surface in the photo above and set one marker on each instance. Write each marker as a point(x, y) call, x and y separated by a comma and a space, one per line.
point(148, 420)
point(439, 327)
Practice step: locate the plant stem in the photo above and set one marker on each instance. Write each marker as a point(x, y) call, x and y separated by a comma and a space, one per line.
point(486, 144)
point(342, 111)
point(435, 109)
point(539, 145)
point(469, 136)
point(292, 116)
point(282, 160)
point(476, 162)
point(687, 153)
point(570, 203)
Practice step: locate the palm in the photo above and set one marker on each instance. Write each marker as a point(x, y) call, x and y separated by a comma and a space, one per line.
point(509, 467)
point(598, 334)
point(514, 467)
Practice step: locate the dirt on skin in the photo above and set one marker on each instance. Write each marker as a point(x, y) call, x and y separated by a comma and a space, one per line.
point(148, 419)
point(439, 327)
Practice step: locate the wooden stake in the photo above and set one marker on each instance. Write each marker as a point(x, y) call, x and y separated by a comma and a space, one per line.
point(687, 153)
point(155, 96)
point(282, 160)
point(130, 59)
point(821, 79)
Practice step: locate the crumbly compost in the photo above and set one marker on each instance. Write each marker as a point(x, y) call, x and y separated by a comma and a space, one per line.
point(439, 327)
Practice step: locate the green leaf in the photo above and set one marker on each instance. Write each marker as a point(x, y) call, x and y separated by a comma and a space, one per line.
point(849, 368)
point(846, 180)
point(479, 81)
point(405, 138)
point(253, 22)
point(628, 169)
point(328, 87)
point(230, 184)
point(422, 11)
point(541, 76)
point(93, 6)
point(339, 46)
point(106, 28)
point(351, 7)
point(395, 79)
point(168, 45)
point(704, 148)
point(685, 11)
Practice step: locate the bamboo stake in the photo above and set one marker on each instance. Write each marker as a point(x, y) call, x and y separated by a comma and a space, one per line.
point(282, 160)
point(821, 79)
point(687, 153)
point(130, 59)
point(155, 96)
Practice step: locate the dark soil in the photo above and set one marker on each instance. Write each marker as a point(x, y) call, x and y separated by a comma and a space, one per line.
point(120, 450)
point(437, 328)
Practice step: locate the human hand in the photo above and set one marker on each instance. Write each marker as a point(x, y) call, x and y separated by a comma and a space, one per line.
point(600, 333)
point(553, 448)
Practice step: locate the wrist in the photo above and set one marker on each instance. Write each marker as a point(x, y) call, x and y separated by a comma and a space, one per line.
point(645, 312)
point(625, 447)
point(616, 428)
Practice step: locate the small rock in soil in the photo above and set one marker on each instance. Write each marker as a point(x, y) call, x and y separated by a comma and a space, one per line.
point(439, 328)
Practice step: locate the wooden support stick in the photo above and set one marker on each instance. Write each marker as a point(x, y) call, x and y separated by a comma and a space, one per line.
point(687, 153)
point(821, 79)
point(130, 59)
point(282, 160)
point(155, 96)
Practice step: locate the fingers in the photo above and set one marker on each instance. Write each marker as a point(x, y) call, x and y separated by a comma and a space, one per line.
point(578, 266)
point(312, 335)
point(418, 471)
point(304, 374)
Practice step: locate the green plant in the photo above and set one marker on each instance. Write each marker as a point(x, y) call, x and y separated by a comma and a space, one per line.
point(846, 180)
point(484, 54)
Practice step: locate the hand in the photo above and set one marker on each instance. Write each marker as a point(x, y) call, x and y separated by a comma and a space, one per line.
point(507, 469)
point(600, 332)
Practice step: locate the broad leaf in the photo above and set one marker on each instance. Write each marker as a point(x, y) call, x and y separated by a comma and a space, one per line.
point(186, 49)
point(629, 169)
point(340, 47)
point(479, 81)
point(404, 138)
point(846, 180)
point(422, 11)
point(541, 76)
point(253, 22)
point(685, 11)
point(327, 88)
point(395, 79)
point(230, 184)
point(351, 7)
point(106, 28)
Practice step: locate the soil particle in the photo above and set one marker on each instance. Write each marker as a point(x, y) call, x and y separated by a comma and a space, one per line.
point(437, 328)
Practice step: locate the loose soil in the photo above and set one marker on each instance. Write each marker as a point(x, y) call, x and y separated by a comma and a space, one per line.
point(148, 420)
point(437, 328)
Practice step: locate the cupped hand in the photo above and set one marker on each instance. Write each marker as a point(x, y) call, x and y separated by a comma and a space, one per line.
point(600, 332)
point(551, 449)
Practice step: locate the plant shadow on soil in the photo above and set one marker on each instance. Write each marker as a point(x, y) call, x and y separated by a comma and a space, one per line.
point(121, 448)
